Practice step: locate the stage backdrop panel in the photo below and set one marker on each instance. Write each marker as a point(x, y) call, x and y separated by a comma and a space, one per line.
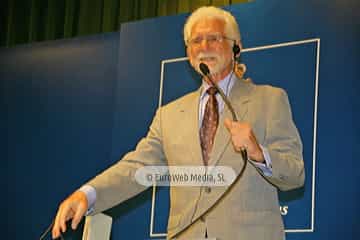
point(57, 113)
point(71, 108)
point(301, 64)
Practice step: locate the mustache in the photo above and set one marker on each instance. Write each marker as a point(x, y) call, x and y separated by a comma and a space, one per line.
point(202, 56)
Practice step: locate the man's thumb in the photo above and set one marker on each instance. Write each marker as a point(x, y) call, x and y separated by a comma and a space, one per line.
point(228, 124)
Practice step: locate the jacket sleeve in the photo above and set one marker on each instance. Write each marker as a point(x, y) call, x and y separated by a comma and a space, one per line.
point(117, 183)
point(283, 143)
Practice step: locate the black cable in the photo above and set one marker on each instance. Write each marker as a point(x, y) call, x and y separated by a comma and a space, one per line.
point(48, 230)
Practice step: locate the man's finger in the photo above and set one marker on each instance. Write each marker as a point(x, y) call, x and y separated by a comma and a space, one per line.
point(56, 227)
point(80, 210)
point(228, 124)
point(64, 216)
point(253, 138)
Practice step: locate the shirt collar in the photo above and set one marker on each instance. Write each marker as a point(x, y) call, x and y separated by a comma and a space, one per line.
point(224, 84)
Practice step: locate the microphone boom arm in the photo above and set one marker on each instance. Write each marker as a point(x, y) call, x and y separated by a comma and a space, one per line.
point(206, 72)
point(225, 99)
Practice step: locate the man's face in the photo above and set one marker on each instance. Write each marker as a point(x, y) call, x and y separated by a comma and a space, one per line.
point(204, 46)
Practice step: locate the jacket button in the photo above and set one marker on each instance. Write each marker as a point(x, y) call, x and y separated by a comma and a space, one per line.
point(208, 189)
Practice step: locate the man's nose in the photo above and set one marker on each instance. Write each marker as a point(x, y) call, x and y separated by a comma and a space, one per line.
point(204, 44)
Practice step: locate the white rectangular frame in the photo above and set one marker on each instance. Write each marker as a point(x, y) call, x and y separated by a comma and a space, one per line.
point(265, 47)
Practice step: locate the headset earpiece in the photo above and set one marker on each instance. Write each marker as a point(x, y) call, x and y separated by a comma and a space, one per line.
point(236, 49)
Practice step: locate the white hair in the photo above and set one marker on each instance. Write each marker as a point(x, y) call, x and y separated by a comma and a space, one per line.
point(231, 27)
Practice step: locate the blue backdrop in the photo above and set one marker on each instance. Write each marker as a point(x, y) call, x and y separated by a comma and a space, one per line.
point(71, 108)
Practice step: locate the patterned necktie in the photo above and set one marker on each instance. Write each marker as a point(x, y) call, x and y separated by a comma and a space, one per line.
point(209, 125)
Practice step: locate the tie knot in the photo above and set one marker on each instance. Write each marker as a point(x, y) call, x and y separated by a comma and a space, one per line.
point(212, 91)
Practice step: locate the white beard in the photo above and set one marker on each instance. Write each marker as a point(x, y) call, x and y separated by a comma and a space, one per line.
point(217, 62)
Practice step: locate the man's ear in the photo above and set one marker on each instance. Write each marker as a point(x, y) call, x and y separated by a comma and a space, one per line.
point(236, 49)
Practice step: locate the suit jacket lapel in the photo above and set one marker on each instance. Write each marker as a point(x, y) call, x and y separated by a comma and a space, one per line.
point(239, 97)
point(190, 113)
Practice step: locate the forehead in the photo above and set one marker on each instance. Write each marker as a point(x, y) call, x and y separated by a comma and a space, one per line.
point(208, 25)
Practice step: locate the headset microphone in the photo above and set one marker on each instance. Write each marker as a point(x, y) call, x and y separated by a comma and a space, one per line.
point(235, 49)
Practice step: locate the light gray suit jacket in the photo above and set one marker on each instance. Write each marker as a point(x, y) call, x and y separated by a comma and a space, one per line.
point(250, 210)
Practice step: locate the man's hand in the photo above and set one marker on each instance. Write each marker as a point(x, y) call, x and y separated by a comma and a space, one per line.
point(74, 207)
point(242, 136)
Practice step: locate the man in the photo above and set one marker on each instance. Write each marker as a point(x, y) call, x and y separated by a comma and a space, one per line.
point(196, 130)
